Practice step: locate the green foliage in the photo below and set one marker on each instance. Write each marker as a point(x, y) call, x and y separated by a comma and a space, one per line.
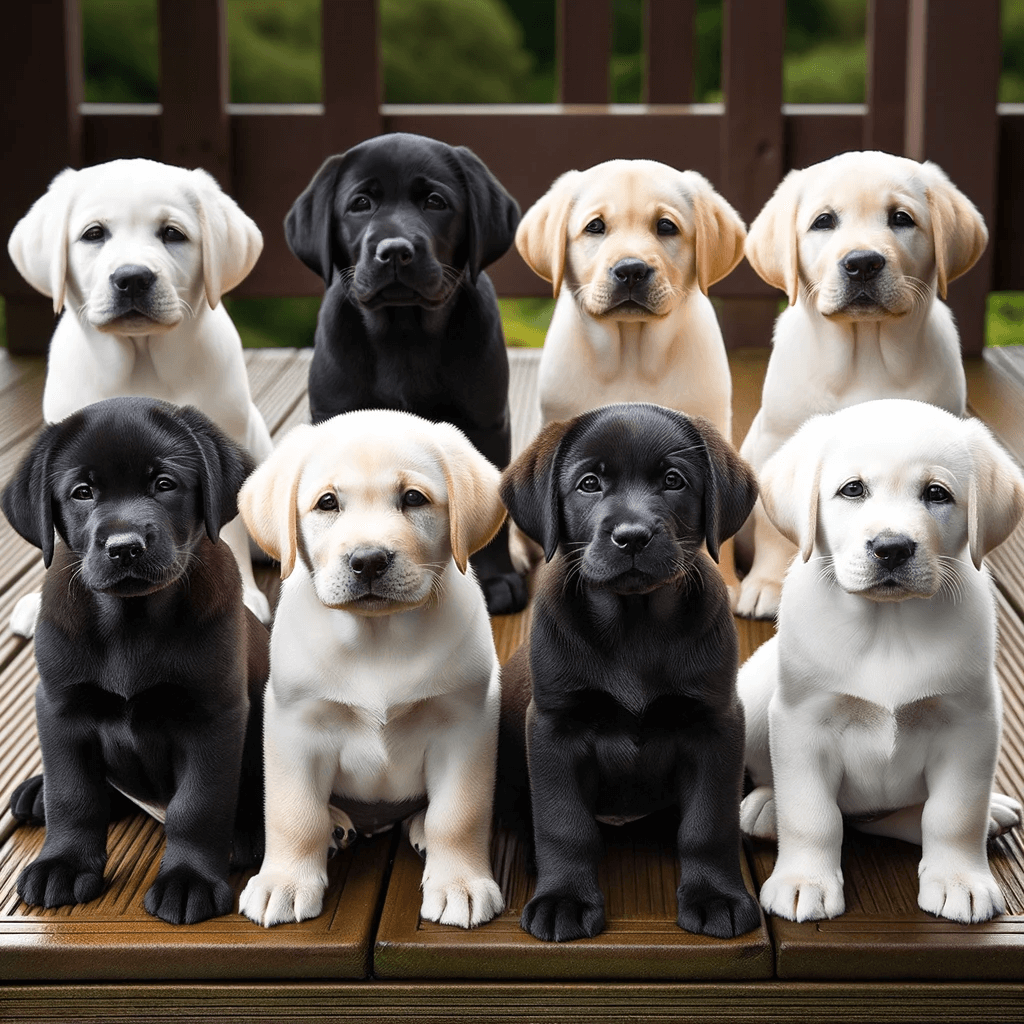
point(526, 321)
point(831, 73)
point(266, 323)
point(1011, 81)
point(120, 51)
point(1004, 324)
point(274, 51)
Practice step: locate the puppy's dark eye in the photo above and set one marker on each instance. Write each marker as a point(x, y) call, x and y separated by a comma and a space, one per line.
point(824, 222)
point(83, 492)
point(413, 499)
point(327, 503)
point(94, 234)
point(170, 234)
point(595, 227)
point(901, 219)
point(854, 489)
point(936, 494)
point(165, 483)
point(360, 204)
point(666, 227)
point(435, 202)
point(590, 484)
point(674, 481)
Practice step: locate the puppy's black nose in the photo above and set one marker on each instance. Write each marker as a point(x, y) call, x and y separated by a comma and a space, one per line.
point(631, 537)
point(369, 563)
point(631, 272)
point(892, 551)
point(862, 264)
point(125, 548)
point(399, 250)
point(132, 280)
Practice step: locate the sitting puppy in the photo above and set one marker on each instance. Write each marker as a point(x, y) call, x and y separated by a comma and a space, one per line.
point(140, 253)
point(632, 657)
point(878, 698)
point(400, 228)
point(631, 248)
point(864, 245)
point(384, 689)
point(151, 668)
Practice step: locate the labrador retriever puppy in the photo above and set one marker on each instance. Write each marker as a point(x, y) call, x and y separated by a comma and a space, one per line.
point(139, 253)
point(384, 686)
point(631, 657)
point(400, 228)
point(878, 698)
point(864, 246)
point(631, 248)
point(151, 668)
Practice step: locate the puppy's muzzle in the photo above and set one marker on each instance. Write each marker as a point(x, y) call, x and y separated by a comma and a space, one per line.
point(125, 549)
point(132, 282)
point(397, 251)
point(892, 550)
point(369, 564)
point(631, 538)
point(862, 265)
point(631, 272)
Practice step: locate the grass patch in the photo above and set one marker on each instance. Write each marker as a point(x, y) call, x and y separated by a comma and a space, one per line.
point(1004, 322)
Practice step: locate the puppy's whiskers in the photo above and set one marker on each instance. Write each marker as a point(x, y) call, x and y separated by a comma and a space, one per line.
point(826, 570)
point(951, 581)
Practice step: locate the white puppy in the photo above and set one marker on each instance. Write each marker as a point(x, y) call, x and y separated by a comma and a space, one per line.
point(878, 698)
point(384, 686)
point(863, 245)
point(140, 253)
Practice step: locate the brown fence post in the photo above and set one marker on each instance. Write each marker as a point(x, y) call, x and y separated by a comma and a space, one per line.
point(584, 50)
point(752, 145)
point(40, 135)
point(668, 42)
point(886, 87)
point(350, 49)
point(952, 119)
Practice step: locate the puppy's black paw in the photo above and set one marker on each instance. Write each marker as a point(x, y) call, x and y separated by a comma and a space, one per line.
point(182, 895)
point(560, 917)
point(722, 915)
point(27, 802)
point(59, 881)
point(505, 594)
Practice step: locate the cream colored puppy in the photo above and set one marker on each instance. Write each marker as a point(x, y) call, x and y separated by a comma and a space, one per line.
point(140, 253)
point(631, 248)
point(878, 698)
point(384, 684)
point(864, 246)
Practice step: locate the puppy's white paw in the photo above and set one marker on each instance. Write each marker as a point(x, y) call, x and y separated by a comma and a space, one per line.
point(274, 897)
point(256, 601)
point(1004, 813)
point(465, 902)
point(965, 896)
point(26, 611)
point(758, 598)
point(799, 897)
point(757, 813)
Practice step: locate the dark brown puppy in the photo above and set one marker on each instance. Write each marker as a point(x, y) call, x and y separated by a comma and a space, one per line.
point(151, 668)
point(632, 658)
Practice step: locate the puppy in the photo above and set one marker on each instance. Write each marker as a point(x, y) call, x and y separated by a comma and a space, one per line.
point(878, 698)
point(384, 689)
point(864, 246)
point(140, 253)
point(151, 668)
point(400, 228)
point(631, 248)
point(632, 657)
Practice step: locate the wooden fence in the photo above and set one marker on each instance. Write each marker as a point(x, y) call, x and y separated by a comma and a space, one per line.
point(933, 71)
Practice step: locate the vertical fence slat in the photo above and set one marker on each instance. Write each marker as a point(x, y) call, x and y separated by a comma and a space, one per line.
point(40, 135)
point(669, 38)
point(951, 119)
point(584, 50)
point(351, 72)
point(194, 86)
point(886, 91)
point(752, 142)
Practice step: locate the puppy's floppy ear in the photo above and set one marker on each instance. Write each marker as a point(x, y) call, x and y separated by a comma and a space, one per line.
point(38, 245)
point(493, 214)
point(790, 483)
point(309, 225)
point(541, 235)
point(995, 501)
point(730, 488)
point(268, 500)
point(771, 246)
point(231, 242)
point(958, 230)
point(529, 487)
point(475, 512)
point(720, 231)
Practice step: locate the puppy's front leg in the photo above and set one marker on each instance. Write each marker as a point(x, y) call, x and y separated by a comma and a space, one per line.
point(568, 903)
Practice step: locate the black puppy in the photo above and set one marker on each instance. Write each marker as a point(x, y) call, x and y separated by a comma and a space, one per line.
point(400, 228)
point(632, 655)
point(151, 668)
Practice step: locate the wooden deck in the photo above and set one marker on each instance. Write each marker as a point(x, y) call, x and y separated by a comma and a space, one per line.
point(368, 956)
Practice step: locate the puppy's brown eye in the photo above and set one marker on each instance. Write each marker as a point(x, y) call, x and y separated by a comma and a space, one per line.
point(825, 222)
point(435, 202)
point(83, 492)
point(590, 484)
point(674, 481)
point(595, 227)
point(413, 499)
point(854, 489)
point(936, 494)
point(93, 234)
point(666, 227)
point(360, 204)
point(165, 483)
point(901, 219)
point(327, 503)
point(169, 234)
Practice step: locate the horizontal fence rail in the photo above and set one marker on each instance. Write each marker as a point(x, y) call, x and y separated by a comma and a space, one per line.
point(920, 102)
